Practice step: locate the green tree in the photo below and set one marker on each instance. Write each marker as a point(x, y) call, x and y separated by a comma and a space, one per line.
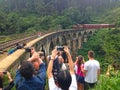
point(2, 22)
point(12, 23)
point(111, 45)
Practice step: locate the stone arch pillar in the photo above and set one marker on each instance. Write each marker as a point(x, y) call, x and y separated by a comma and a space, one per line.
point(85, 38)
point(79, 42)
point(63, 40)
point(68, 43)
point(68, 40)
point(57, 41)
point(51, 47)
point(54, 41)
point(73, 52)
point(74, 48)
point(60, 40)
point(47, 47)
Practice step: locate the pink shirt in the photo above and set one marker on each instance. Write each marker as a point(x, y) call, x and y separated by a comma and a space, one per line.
point(79, 72)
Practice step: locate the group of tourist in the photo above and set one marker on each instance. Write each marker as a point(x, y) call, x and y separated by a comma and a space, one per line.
point(59, 68)
point(87, 73)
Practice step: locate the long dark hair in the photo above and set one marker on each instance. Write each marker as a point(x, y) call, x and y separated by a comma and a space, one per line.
point(80, 60)
point(64, 79)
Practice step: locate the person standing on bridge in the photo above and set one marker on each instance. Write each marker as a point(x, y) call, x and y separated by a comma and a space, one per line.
point(91, 71)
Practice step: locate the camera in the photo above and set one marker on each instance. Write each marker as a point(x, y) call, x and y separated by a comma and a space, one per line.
point(28, 49)
point(5, 72)
point(60, 48)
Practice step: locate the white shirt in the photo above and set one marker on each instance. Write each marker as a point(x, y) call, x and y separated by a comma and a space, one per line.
point(73, 86)
point(92, 67)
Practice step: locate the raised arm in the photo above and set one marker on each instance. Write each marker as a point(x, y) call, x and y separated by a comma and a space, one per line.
point(42, 72)
point(70, 61)
point(50, 65)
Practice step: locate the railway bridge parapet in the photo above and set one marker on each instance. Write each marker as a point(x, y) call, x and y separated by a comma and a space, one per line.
point(73, 38)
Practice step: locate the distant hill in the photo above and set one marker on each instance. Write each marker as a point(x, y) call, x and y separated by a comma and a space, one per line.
point(111, 16)
point(19, 16)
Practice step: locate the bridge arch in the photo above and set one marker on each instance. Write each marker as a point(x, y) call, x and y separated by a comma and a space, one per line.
point(63, 40)
point(79, 40)
point(57, 41)
point(51, 46)
point(71, 37)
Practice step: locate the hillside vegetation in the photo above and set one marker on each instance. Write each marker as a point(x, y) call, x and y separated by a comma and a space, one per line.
point(21, 16)
point(111, 16)
point(106, 44)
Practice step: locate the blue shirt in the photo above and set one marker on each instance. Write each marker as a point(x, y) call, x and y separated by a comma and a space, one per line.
point(37, 82)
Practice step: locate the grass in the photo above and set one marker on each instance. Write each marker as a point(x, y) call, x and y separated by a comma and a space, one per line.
point(7, 38)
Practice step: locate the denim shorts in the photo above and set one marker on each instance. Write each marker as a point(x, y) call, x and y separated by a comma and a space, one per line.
point(80, 79)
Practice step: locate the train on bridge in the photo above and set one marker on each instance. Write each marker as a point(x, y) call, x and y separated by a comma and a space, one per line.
point(93, 26)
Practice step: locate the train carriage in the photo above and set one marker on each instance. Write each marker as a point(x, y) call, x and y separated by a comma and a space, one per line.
point(93, 26)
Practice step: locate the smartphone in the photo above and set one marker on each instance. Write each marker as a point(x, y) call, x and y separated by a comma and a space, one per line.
point(60, 48)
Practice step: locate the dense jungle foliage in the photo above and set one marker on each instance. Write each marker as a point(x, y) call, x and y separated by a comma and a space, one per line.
point(21, 16)
point(106, 44)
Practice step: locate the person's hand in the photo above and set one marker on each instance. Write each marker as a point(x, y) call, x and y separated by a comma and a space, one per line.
point(76, 60)
point(66, 49)
point(35, 58)
point(54, 53)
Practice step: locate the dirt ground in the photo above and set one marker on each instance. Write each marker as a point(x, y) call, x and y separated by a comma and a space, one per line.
point(2, 56)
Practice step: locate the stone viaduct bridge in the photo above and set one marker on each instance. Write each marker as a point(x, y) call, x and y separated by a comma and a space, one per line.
point(72, 38)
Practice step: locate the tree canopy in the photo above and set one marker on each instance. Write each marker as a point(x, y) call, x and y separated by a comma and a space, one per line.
point(17, 16)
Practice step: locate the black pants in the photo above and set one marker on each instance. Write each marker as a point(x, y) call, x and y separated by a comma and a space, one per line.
point(87, 86)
